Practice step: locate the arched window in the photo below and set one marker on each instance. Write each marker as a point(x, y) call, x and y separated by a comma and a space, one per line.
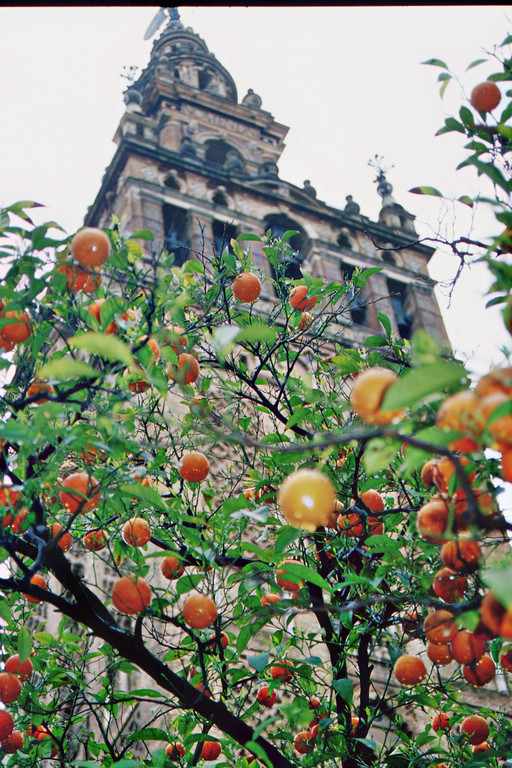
point(279, 224)
point(223, 233)
point(219, 151)
point(388, 256)
point(357, 306)
point(398, 294)
point(176, 233)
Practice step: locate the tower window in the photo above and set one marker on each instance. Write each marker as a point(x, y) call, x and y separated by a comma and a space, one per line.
point(176, 233)
point(223, 233)
point(279, 224)
point(357, 306)
point(218, 151)
point(398, 294)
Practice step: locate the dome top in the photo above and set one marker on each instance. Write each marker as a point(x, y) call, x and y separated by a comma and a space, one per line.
point(180, 55)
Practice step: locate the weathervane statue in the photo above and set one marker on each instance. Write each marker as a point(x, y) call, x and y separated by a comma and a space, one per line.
point(159, 19)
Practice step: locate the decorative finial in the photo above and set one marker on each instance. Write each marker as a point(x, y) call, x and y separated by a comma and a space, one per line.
point(384, 188)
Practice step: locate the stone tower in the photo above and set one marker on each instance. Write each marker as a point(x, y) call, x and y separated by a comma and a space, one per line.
point(196, 166)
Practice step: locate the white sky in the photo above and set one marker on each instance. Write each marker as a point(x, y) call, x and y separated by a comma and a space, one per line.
point(348, 82)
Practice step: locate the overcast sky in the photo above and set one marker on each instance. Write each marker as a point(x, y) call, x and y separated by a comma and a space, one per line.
point(348, 81)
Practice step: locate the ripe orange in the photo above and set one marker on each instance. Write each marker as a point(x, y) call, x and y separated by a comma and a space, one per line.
point(246, 287)
point(303, 742)
point(76, 277)
point(440, 722)
point(467, 648)
point(476, 729)
point(449, 585)
point(8, 496)
point(194, 467)
point(39, 581)
point(492, 613)
point(95, 541)
point(6, 724)
point(187, 370)
point(351, 524)
point(210, 750)
point(95, 310)
point(265, 698)
point(136, 532)
point(12, 743)
point(432, 520)
point(506, 658)
point(305, 320)
point(368, 393)
point(282, 670)
point(130, 595)
point(10, 687)
point(18, 330)
point(175, 751)
point(199, 611)
point(439, 654)
point(171, 568)
point(298, 300)
point(176, 338)
point(462, 554)
point(285, 579)
point(306, 499)
point(23, 670)
point(269, 598)
point(38, 388)
point(65, 540)
point(481, 673)
point(79, 493)
point(409, 670)
point(506, 465)
point(440, 627)
point(90, 247)
point(373, 500)
point(483, 747)
point(458, 413)
point(485, 96)
point(218, 640)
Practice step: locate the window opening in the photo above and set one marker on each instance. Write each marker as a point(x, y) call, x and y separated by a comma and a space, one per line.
point(398, 294)
point(176, 233)
point(357, 305)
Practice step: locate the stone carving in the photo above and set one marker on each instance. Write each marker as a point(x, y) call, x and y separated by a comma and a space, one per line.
point(220, 122)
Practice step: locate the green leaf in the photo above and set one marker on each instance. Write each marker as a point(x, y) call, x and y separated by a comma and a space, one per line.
point(258, 661)
point(435, 63)
point(345, 363)
point(257, 332)
point(5, 611)
point(258, 750)
point(306, 573)
point(345, 688)
point(378, 454)
point(145, 493)
point(67, 368)
point(103, 345)
point(426, 191)
point(466, 200)
point(385, 322)
point(415, 385)
point(467, 116)
point(143, 234)
point(188, 583)
point(475, 63)
point(249, 236)
point(499, 579)
point(286, 536)
point(150, 734)
point(24, 643)
point(375, 341)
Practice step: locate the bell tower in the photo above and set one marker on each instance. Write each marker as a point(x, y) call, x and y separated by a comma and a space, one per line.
point(197, 167)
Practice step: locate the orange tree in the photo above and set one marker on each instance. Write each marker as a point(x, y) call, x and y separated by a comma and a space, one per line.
point(225, 535)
